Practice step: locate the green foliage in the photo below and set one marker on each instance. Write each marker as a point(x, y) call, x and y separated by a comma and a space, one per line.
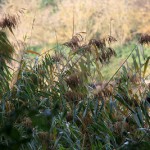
point(53, 106)
point(6, 49)
point(122, 52)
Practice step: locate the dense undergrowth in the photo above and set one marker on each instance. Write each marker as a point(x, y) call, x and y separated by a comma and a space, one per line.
point(59, 100)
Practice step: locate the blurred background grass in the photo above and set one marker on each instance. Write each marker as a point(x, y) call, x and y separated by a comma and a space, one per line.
point(46, 22)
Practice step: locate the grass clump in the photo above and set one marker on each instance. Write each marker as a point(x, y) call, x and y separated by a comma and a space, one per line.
point(59, 99)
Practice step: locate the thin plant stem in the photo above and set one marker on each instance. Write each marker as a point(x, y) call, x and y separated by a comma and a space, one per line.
point(120, 67)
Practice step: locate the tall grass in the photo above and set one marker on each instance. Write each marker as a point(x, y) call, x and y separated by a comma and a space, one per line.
point(56, 104)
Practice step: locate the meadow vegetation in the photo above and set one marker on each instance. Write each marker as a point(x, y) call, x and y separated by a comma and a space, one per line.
point(86, 92)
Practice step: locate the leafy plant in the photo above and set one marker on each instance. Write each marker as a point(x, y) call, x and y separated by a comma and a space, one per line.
point(55, 104)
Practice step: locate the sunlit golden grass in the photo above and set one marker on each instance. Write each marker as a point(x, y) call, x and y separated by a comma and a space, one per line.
point(42, 25)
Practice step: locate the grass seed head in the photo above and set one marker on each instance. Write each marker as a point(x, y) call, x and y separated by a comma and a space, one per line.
point(73, 81)
point(27, 122)
point(99, 43)
point(73, 97)
point(9, 21)
point(73, 43)
point(111, 39)
point(144, 39)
